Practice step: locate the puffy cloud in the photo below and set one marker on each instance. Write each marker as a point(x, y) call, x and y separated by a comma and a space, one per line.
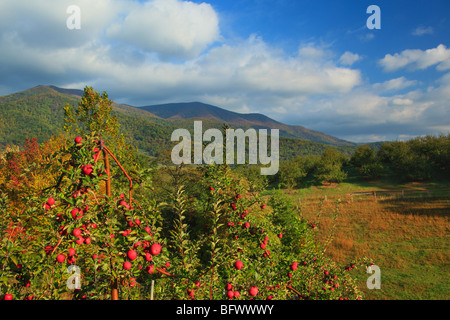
point(349, 58)
point(417, 59)
point(171, 28)
point(365, 114)
point(171, 50)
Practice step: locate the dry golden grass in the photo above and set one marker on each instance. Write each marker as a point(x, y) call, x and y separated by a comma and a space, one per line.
point(410, 237)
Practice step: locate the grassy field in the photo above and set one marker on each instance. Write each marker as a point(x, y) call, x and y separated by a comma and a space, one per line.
point(406, 235)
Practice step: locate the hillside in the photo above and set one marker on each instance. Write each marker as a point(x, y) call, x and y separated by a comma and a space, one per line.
point(38, 112)
point(192, 110)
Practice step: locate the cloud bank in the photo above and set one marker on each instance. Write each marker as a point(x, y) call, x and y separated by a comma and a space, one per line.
point(171, 50)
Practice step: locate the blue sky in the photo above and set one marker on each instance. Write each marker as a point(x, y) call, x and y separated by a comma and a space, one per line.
point(303, 62)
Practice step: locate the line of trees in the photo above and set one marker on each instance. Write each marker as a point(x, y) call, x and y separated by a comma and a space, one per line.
point(420, 159)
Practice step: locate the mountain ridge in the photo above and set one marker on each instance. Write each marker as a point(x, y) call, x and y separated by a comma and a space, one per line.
point(38, 112)
point(200, 110)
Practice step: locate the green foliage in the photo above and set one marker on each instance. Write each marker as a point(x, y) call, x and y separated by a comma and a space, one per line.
point(330, 167)
point(366, 160)
point(422, 158)
point(202, 236)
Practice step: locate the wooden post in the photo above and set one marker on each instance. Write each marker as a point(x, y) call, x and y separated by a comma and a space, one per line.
point(114, 291)
point(114, 285)
point(152, 289)
point(108, 173)
point(375, 195)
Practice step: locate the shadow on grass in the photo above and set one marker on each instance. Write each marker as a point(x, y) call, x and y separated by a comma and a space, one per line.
point(434, 206)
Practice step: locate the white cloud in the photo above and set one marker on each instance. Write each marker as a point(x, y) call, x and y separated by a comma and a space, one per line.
point(353, 115)
point(170, 28)
point(366, 37)
point(349, 58)
point(417, 59)
point(393, 85)
point(127, 48)
point(400, 101)
point(421, 30)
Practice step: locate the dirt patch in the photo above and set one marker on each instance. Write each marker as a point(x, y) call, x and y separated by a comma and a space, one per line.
point(329, 185)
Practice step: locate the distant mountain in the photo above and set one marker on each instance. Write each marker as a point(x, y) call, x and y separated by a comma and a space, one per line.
point(198, 110)
point(70, 92)
point(38, 112)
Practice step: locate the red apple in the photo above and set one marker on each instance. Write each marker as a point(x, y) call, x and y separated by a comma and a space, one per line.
point(127, 265)
point(61, 258)
point(87, 169)
point(150, 269)
point(230, 294)
point(294, 266)
point(8, 296)
point(238, 264)
point(76, 232)
point(155, 249)
point(131, 254)
point(78, 140)
point(237, 294)
point(48, 249)
point(50, 201)
point(253, 291)
point(77, 213)
point(71, 251)
point(87, 240)
point(148, 256)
